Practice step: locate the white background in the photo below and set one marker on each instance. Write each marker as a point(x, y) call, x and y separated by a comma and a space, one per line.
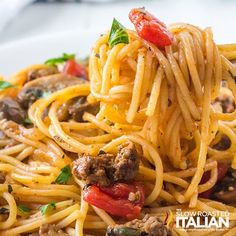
point(41, 18)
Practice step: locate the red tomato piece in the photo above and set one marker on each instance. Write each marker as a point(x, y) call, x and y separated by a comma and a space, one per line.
point(73, 68)
point(122, 190)
point(222, 169)
point(150, 28)
point(116, 202)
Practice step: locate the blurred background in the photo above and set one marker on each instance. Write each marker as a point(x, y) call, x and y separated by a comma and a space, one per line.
point(21, 19)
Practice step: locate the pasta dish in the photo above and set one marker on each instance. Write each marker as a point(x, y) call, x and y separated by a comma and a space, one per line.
point(118, 143)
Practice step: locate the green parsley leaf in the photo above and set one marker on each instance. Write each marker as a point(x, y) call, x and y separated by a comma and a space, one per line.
point(28, 121)
point(9, 188)
point(23, 208)
point(58, 60)
point(117, 34)
point(64, 175)
point(46, 209)
point(5, 85)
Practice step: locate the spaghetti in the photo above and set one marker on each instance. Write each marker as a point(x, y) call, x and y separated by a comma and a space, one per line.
point(162, 99)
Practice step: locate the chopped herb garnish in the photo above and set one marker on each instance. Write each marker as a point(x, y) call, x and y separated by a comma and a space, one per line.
point(5, 85)
point(24, 209)
point(118, 34)
point(4, 210)
point(54, 61)
point(9, 188)
point(64, 175)
point(47, 209)
point(28, 121)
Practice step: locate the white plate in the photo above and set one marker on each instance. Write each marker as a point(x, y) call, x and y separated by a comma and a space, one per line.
point(19, 54)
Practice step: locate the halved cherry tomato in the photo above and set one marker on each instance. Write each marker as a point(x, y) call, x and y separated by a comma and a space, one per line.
point(222, 169)
point(73, 68)
point(114, 199)
point(150, 28)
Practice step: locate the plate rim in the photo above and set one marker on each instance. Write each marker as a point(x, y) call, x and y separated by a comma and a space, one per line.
point(48, 36)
